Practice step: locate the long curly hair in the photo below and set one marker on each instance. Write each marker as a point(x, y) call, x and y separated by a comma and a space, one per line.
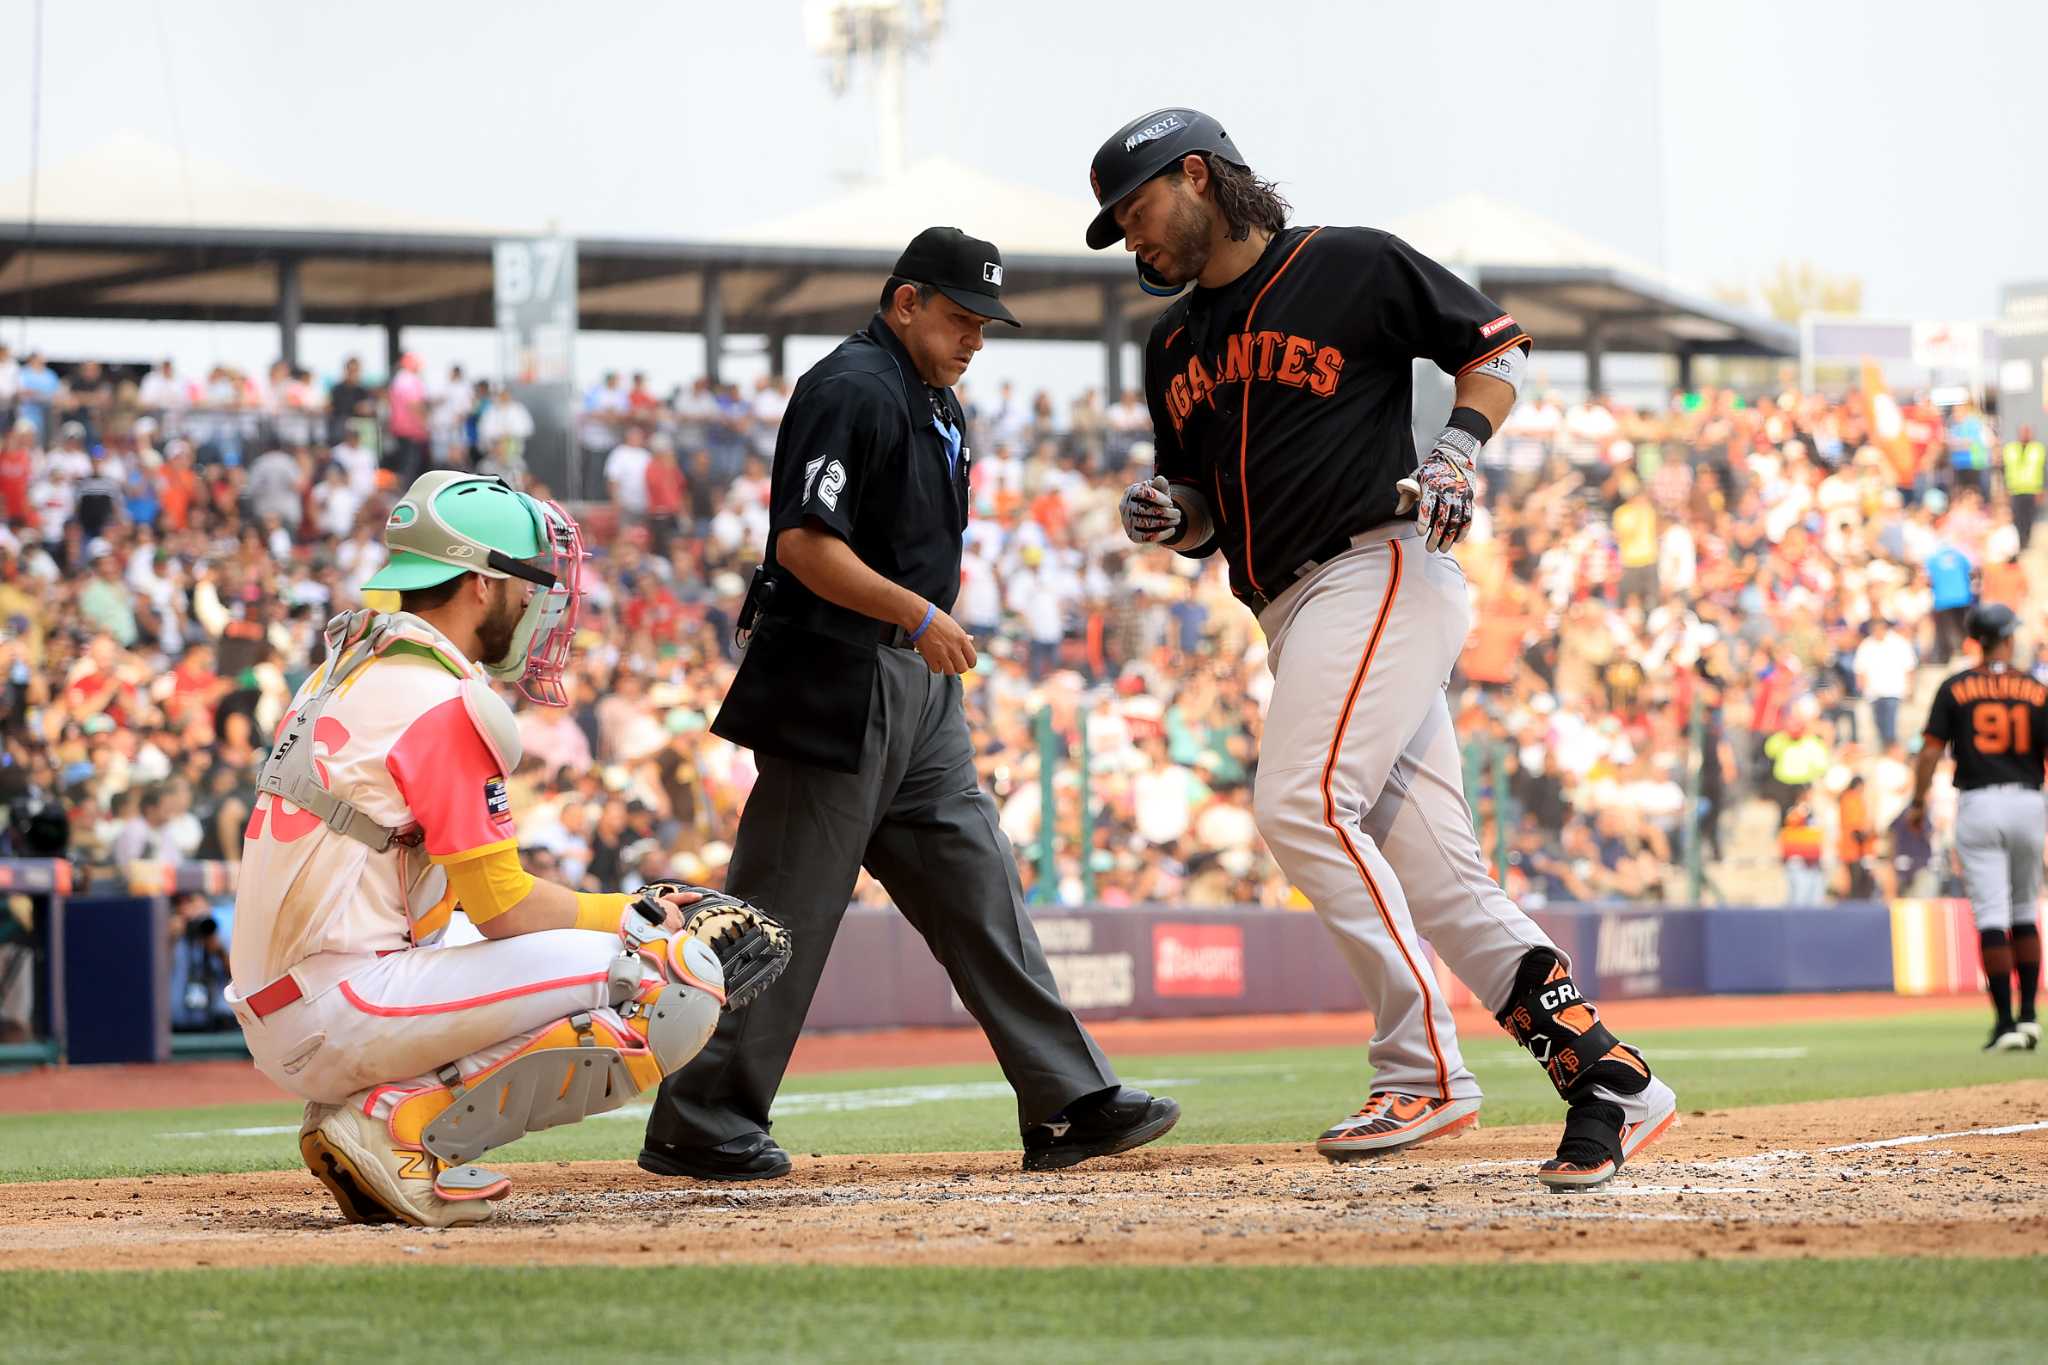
point(1244, 200)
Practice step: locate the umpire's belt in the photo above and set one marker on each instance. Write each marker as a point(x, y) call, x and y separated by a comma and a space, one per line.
point(849, 626)
point(1327, 551)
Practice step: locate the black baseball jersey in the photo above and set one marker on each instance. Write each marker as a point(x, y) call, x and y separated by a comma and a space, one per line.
point(1286, 395)
point(869, 450)
point(1995, 720)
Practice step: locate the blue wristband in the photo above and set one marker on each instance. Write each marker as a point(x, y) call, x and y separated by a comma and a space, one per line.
point(930, 611)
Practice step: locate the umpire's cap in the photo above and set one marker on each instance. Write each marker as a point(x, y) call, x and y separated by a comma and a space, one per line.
point(1991, 624)
point(1142, 149)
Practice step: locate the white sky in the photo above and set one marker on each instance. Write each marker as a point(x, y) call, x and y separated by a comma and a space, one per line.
point(1896, 141)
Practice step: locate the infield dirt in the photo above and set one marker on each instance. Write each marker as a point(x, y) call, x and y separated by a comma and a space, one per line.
point(1760, 1182)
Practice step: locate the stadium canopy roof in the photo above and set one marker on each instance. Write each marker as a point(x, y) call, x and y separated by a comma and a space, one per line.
point(131, 230)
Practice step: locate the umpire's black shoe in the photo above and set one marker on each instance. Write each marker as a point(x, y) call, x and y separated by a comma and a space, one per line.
point(1100, 1125)
point(751, 1156)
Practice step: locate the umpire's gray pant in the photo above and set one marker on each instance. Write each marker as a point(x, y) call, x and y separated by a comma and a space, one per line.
point(1998, 839)
point(916, 817)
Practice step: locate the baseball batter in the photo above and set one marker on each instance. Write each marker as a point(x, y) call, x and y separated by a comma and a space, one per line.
point(1995, 719)
point(383, 809)
point(1280, 389)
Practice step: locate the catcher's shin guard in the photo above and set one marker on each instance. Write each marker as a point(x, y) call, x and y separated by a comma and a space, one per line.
point(581, 1066)
point(1547, 1015)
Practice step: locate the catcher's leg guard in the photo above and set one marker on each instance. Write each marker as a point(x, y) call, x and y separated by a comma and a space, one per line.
point(581, 1066)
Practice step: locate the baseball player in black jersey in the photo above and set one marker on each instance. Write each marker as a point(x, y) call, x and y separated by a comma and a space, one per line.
point(1995, 719)
point(1280, 388)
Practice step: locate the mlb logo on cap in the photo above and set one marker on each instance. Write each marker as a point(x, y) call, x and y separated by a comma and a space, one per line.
point(992, 273)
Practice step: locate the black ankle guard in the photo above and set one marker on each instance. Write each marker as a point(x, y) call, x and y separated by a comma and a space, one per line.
point(1592, 1133)
point(1562, 1031)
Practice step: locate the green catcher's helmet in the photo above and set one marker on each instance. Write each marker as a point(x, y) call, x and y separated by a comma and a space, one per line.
point(450, 522)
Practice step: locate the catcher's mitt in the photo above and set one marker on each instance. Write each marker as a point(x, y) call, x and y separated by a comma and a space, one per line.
point(752, 948)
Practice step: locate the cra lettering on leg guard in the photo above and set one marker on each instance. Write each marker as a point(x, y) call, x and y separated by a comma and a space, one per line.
point(1547, 1014)
point(581, 1066)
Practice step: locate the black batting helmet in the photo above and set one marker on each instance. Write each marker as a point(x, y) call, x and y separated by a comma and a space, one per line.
point(1142, 149)
point(1991, 624)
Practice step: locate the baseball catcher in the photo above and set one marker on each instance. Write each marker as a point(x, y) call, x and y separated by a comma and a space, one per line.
point(383, 809)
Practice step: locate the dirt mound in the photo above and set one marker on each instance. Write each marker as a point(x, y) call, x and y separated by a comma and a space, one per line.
point(1958, 1172)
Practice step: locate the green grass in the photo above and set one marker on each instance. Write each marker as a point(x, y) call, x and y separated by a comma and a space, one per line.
point(1869, 1311)
point(1274, 1096)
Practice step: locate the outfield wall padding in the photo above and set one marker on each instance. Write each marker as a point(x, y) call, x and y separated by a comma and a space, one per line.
point(1162, 963)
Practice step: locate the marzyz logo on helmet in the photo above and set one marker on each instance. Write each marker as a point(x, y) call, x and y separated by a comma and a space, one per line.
point(992, 273)
point(1153, 131)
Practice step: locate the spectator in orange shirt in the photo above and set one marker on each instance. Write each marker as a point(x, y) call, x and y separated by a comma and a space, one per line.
point(1856, 844)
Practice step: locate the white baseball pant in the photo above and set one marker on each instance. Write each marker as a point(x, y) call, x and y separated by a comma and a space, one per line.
point(393, 1021)
point(1360, 796)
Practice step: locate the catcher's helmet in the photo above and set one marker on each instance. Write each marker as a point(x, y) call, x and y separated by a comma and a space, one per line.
point(1142, 149)
point(1991, 624)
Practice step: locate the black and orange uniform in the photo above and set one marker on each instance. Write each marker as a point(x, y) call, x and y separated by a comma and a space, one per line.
point(1286, 396)
point(1995, 721)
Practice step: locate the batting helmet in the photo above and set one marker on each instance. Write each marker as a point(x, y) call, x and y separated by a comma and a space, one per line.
point(1149, 145)
point(1143, 148)
point(1991, 624)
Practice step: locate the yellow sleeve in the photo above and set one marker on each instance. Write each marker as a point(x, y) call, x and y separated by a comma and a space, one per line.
point(489, 882)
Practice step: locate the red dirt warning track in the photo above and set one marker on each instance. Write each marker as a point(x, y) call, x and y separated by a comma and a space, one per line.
point(179, 1085)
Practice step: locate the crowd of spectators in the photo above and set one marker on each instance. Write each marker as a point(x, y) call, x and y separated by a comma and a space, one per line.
point(1763, 583)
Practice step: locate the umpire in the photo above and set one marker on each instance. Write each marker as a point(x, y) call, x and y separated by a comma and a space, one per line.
point(849, 694)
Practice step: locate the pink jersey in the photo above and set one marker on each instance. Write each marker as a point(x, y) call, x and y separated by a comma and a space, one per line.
point(396, 742)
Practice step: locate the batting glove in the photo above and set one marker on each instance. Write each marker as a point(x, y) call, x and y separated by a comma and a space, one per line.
point(1149, 512)
point(1441, 490)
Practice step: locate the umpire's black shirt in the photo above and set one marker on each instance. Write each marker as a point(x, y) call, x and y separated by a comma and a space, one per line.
point(871, 451)
point(863, 449)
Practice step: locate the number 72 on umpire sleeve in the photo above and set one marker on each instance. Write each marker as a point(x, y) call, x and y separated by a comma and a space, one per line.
point(2001, 729)
point(828, 491)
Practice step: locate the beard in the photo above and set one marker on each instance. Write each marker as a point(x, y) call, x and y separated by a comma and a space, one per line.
point(494, 635)
point(1187, 242)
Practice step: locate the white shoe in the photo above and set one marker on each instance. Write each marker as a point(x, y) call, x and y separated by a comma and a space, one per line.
point(1390, 1122)
point(2030, 1031)
point(375, 1181)
point(1584, 1157)
point(2011, 1040)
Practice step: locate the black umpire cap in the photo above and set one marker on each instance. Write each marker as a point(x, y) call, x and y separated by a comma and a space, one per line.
point(1143, 148)
point(965, 269)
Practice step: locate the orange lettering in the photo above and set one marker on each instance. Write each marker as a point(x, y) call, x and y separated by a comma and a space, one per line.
point(1293, 360)
point(1237, 358)
point(1267, 342)
point(1329, 364)
point(1199, 383)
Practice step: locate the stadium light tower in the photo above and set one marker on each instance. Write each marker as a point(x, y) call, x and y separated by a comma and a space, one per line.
point(880, 34)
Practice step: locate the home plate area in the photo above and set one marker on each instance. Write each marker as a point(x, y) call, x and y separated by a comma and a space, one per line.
point(1962, 1172)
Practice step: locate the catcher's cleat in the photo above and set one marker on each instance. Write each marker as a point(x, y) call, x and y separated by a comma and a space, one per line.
point(2007, 1038)
point(1391, 1122)
point(2031, 1031)
point(1600, 1135)
point(376, 1181)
